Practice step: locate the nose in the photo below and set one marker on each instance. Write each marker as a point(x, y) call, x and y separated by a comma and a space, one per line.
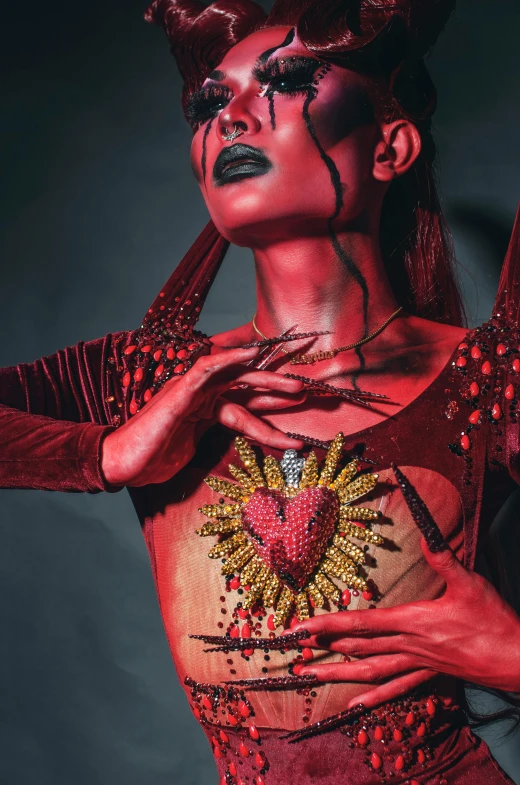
point(238, 118)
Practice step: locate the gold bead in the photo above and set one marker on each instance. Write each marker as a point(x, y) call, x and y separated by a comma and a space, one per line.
point(226, 488)
point(331, 460)
point(273, 473)
point(310, 472)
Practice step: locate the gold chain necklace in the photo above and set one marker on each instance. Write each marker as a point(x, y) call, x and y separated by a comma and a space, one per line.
point(313, 357)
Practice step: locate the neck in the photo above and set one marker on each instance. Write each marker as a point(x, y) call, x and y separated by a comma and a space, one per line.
point(318, 285)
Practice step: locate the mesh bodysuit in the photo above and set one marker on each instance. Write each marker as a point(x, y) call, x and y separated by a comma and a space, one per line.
point(54, 414)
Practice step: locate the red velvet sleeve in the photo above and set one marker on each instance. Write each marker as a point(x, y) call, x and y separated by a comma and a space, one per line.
point(54, 414)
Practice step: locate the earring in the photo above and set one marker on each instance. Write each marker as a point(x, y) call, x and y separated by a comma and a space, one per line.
point(230, 137)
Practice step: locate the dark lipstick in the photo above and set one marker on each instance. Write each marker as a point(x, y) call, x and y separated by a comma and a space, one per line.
point(239, 161)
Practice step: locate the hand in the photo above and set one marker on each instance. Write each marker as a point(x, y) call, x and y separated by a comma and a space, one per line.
point(160, 439)
point(470, 632)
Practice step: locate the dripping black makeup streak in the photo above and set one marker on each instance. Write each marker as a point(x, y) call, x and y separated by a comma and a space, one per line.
point(289, 38)
point(340, 252)
point(205, 149)
point(290, 76)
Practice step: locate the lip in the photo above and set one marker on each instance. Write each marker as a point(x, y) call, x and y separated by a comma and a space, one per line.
point(238, 162)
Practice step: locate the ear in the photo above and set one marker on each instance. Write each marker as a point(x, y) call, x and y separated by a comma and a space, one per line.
point(397, 150)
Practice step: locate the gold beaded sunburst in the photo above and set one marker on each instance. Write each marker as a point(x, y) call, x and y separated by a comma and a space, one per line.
point(286, 533)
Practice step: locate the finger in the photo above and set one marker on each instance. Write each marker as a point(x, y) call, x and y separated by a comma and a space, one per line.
point(392, 689)
point(258, 401)
point(362, 646)
point(239, 419)
point(268, 380)
point(399, 618)
point(370, 670)
point(446, 564)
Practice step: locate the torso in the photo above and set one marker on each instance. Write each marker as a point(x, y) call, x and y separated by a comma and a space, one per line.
point(192, 592)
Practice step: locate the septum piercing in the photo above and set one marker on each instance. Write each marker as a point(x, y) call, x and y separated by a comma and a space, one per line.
point(230, 137)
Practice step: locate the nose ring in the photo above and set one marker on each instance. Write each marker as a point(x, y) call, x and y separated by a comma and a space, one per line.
point(230, 137)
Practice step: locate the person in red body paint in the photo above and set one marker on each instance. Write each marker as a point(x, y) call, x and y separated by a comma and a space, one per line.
point(312, 147)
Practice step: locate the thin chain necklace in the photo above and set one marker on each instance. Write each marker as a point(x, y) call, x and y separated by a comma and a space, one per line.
point(314, 357)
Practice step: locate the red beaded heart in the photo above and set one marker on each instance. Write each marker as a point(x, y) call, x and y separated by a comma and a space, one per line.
point(291, 535)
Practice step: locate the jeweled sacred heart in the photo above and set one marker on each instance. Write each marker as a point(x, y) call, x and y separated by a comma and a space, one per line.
point(291, 534)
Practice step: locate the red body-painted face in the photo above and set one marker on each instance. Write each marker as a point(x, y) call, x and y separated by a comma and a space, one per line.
point(313, 134)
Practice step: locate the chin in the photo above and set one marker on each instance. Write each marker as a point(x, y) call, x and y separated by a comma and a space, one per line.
point(248, 216)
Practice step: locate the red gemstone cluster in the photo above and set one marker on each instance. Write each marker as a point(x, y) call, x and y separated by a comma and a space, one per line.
point(488, 367)
point(394, 736)
point(219, 708)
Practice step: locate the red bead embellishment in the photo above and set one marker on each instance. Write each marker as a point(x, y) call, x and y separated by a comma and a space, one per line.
point(496, 412)
point(501, 350)
point(461, 362)
point(345, 598)
point(516, 366)
point(510, 392)
point(147, 396)
point(474, 417)
point(253, 732)
point(486, 368)
point(243, 750)
point(376, 760)
point(362, 738)
point(138, 375)
point(130, 350)
point(465, 442)
point(476, 354)
point(474, 390)
point(127, 379)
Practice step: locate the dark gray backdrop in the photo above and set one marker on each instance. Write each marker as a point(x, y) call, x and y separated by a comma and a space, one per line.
point(98, 205)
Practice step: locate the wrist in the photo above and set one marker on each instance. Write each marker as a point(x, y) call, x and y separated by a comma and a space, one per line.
point(107, 464)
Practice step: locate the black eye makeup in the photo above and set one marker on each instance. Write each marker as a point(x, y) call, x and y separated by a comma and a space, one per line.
point(287, 75)
point(206, 104)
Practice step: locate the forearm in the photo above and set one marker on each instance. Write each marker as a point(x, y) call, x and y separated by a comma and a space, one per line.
point(55, 455)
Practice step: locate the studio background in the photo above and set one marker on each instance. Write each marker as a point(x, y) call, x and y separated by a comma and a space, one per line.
point(98, 204)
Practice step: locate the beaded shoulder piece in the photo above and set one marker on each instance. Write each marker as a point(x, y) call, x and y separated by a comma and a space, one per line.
point(285, 534)
point(166, 344)
point(488, 368)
